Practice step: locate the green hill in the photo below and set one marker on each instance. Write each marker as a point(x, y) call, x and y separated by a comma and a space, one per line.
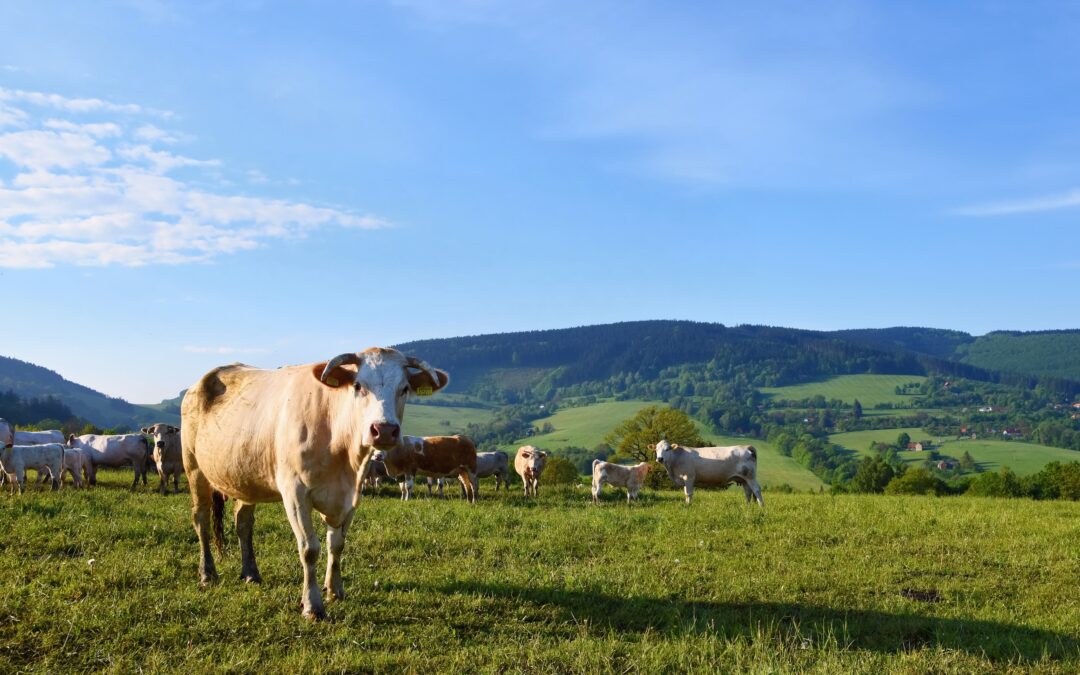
point(32, 381)
point(870, 390)
point(1049, 353)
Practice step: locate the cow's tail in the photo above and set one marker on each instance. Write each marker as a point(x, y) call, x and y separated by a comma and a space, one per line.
point(218, 512)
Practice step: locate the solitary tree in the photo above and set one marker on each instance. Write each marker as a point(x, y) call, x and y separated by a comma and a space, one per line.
point(902, 440)
point(651, 424)
point(857, 409)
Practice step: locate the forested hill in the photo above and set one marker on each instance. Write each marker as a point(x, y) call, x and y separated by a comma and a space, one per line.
point(1053, 353)
point(29, 381)
point(538, 362)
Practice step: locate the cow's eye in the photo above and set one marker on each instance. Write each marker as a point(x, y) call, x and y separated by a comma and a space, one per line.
point(405, 390)
point(358, 387)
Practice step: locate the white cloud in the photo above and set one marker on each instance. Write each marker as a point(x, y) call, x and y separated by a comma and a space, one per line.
point(1065, 200)
point(86, 192)
point(76, 105)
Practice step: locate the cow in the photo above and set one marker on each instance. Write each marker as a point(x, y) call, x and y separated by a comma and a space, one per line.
point(376, 474)
point(301, 435)
point(7, 432)
point(529, 464)
point(114, 450)
point(77, 463)
point(719, 466)
point(38, 437)
point(494, 464)
point(167, 454)
point(433, 457)
point(616, 475)
point(16, 459)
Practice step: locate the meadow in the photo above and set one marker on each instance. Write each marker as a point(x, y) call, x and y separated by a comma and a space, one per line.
point(105, 580)
point(433, 420)
point(868, 389)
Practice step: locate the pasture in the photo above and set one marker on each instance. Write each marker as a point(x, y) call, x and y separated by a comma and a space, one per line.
point(773, 468)
point(106, 580)
point(869, 389)
point(436, 420)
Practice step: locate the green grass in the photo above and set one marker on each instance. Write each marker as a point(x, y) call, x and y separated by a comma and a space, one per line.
point(1023, 458)
point(431, 420)
point(586, 427)
point(813, 584)
point(869, 389)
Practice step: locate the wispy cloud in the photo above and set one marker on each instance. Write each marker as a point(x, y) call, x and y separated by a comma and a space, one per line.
point(1065, 200)
point(92, 187)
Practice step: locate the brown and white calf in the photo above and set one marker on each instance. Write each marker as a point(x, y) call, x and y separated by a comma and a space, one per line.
point(617, 475)
point(529, 464)
point(715, 466)
point(167, 453)
point(433, 457)
point(16, 459)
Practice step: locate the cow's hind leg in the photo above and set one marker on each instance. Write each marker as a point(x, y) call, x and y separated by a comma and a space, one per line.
point(202, 504)
point(756, 489)
point(335, 543)
point(298, 509)
point(244, 517)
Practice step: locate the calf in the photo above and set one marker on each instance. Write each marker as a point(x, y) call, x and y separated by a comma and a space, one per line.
point(434, 457)
point(77, 463)
point(167, 454)
point(16, 459)
point(494, 464)
point(616, 475)
point(719, 466)
point(529, 464)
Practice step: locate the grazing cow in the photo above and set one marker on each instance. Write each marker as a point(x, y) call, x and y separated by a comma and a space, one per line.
point(494, 464)
point(167, 454)
point(376, 474)
point(616, 475)
point(38, 437)
point(301, 435)
point(529, 464)
point(114, 450)
point(16, 459)
point(433, 457)
point(719, 466)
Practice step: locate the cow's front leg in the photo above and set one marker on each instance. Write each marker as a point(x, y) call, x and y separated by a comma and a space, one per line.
point(335, 543)
point(688, 489)
point(298, 509)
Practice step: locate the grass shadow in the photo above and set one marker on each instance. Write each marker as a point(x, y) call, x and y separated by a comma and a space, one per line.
point(851, 628)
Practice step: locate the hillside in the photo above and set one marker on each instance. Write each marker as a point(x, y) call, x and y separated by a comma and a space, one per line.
point(32, 381)
point(1052, 353)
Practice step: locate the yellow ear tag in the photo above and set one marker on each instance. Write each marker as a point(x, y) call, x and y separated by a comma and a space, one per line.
point(423, 391)
point(332, 381)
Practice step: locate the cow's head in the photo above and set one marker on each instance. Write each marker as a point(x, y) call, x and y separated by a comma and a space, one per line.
point(534, 459)
point(379, 381)
point(664, 450)
point(642, 469)
point(162, 434)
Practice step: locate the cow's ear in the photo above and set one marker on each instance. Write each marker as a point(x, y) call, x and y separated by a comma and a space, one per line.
point(652, 446)
point(340, 376)
point(543, 454)
point(423, 383)
point(146, 430)
point(674, 446)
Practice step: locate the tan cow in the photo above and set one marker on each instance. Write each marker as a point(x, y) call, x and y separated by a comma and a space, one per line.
point(434, 457)
point(167, 454)
point(719, 466)
point(301, 435)
point(529, 464)
point(616, 475)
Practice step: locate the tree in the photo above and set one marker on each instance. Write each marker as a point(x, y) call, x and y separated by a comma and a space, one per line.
point(916, 481)
point(560, 471)
point(1004, 483)
point(633, 436)
point(968, 463)
point(857, 408)
point(873, 474)
point(902, 440)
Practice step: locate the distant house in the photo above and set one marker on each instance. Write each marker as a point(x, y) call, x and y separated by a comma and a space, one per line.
point(946, 465)
point(986, 409)
point(1076, 405)
point(1012, 433)
point(919, 446)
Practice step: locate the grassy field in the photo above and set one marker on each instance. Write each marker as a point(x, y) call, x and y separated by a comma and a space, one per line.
point(586, 427)
point(431, 420)
point(869, 389)
point(991, 455)
point(105, 580)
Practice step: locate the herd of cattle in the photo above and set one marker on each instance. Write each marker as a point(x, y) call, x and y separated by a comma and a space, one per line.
point(313, 437)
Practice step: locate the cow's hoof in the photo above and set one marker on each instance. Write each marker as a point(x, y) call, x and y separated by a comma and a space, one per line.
point(314, 614)
point(208, 579)
point(251, 578)
point(337, 595)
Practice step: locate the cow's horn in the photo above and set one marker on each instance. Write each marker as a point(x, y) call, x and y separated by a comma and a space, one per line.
point(413, 362)
point(339, 360)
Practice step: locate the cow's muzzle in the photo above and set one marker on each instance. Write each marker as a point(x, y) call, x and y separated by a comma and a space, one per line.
point(385, 435)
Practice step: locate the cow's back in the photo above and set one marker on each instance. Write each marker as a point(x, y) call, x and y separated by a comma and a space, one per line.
point(447, 453)
point(716, 465)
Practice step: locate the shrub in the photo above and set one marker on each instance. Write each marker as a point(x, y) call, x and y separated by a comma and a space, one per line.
point(1004, 483)
point(560, 471)
point(916, 481)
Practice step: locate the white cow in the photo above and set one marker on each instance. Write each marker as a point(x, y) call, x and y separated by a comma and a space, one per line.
point(167, 454)
point(529, 464)
point(114, 451)
point(77, 463)
point(494, 464)
point(38, 437)
point(616, 475)
point(718, 466)
point(7, 432)
point(16, 459)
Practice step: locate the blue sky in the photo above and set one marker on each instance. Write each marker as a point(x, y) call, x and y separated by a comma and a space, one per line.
point(184, 184)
